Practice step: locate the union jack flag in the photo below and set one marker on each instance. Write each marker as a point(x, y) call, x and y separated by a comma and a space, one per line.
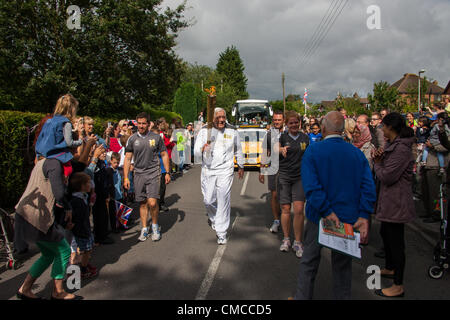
point(122, 214)
point(305, 95)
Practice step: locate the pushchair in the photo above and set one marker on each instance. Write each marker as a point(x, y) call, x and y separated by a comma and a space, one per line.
point(6, 244)
point(441, 256)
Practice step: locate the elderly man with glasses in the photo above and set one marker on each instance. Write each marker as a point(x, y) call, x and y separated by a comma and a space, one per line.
point(217, 150)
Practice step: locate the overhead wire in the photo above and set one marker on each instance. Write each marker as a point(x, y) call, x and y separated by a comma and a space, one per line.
point(313, 37)
point(314, 50)
point(320, 28)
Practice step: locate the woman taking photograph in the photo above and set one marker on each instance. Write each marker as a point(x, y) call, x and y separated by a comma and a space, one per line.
point(395, 207)
point(292, 146)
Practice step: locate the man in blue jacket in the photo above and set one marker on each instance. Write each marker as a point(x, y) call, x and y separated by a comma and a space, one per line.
point(338, 185)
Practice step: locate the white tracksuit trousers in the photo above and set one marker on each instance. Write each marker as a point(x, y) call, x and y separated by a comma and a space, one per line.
point(216, 189)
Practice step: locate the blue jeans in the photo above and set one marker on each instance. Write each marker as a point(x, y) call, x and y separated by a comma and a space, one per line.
point(440, 157)
point(181, 158)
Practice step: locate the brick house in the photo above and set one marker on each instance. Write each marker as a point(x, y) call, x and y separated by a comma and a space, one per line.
point(446, 93)
point(410, 81)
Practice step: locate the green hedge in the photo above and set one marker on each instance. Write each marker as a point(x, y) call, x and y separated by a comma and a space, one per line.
point(17, 153)
point(15, 162)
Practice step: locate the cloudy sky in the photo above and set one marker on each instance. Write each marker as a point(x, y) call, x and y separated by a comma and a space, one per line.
point(272, 36)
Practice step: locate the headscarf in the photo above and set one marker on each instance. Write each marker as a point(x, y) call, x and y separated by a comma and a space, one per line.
point(363, 138)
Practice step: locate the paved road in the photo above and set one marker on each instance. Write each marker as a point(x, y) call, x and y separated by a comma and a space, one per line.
point(188, 264)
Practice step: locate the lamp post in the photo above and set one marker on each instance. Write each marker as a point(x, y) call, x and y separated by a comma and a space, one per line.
point(418, 100)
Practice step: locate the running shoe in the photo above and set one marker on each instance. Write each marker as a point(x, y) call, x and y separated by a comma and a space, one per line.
point(144, 234)
point(156, 233)
point(298, 249)
point(221, 240)
point(275, 226)
point(285, 245)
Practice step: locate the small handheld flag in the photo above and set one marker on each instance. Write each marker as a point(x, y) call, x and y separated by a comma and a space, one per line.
point(122, 214)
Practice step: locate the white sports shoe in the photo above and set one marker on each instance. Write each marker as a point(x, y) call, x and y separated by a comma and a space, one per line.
point(298, 249)
point(285, 245)
point(156, 233)
point(275, 226)
point(144, 234)
point(221, 240)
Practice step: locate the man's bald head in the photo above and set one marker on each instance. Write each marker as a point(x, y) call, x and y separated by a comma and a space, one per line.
point(333, 123)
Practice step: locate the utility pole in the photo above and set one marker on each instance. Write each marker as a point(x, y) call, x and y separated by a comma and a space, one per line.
point(284, 96)
point(418, 98)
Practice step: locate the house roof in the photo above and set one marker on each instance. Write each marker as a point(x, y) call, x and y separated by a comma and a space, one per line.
point(411, 80)
point(447, 89)
point(328, 104)
point(364, 100)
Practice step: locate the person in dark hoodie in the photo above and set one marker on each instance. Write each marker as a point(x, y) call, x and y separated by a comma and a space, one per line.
point(394, 169)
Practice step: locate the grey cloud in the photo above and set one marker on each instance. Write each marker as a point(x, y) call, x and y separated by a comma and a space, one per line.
point(271, 36)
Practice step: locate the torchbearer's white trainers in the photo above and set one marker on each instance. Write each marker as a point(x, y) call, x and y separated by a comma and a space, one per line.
point(221, 240)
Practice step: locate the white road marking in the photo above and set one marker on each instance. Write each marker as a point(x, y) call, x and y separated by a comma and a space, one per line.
point(245, 184)
point(213, 267)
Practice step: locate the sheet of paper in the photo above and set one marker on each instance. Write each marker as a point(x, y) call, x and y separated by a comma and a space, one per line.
point(347, 246)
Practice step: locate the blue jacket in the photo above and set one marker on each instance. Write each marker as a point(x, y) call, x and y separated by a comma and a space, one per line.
point(51, 143)
point(336, 178)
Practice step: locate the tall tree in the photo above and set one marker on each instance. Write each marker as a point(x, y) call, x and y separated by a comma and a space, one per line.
point(384, 96)
point(198, 74)
point(187, 101)
point(351, 104)
point(231, 68)
point(123, 55)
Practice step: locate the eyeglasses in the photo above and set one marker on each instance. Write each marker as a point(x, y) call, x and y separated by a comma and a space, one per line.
point(374, 119)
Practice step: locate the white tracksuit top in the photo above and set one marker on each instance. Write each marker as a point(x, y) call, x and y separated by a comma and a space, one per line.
point(224, 146)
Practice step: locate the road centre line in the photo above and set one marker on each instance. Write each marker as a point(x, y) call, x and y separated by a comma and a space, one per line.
point(245, 183)
point(213, 267)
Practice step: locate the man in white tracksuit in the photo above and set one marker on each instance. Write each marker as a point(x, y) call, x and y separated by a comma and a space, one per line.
point(218, 170)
